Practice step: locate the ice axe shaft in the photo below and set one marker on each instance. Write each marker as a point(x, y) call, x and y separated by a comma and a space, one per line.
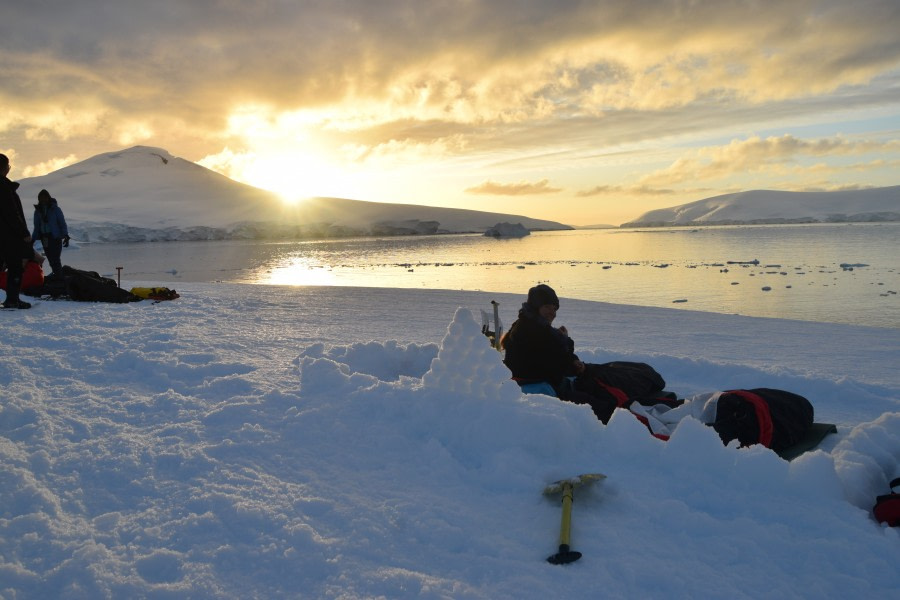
point(566, 487)
point(565, 554)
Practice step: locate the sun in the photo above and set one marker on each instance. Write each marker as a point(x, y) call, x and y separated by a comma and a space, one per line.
point(292, 175)
point(286, 152)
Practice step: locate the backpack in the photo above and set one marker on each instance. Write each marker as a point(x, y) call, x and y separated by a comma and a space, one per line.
point(619, 384)
point(777, 419)
point(32, 279)
point(887, 507)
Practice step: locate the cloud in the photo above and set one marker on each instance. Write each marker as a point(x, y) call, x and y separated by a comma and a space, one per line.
point(629, 190)
point(467, 61)
point(755, 154)
point(53, 164)
point(394, 84)
point(513, 189)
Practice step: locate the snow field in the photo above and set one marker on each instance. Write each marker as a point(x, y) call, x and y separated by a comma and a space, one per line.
point(237, 443)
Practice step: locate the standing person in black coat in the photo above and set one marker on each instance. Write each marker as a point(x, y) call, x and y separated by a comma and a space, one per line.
point(15, 239)
point(50, 227)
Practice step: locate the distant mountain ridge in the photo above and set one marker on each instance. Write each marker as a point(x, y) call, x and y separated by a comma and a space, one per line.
point(146, 194)
point(773, 207)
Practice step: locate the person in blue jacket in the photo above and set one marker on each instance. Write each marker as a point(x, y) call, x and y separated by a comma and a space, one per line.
point(50, 227)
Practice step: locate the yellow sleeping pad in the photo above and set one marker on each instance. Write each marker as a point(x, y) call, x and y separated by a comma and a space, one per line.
point(154, 293)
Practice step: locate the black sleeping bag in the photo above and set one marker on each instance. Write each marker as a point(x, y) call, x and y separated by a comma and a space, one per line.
point(84, 286)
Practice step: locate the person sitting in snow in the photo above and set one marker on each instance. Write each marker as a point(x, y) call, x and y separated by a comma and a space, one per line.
point(50, 227)
point(543, 361)
point(541, 357)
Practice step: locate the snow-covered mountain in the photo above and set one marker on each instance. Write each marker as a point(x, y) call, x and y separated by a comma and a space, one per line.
point(146, 194)
point(769, 206)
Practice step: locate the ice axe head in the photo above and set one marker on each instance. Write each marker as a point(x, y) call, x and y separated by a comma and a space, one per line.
point(566, 487)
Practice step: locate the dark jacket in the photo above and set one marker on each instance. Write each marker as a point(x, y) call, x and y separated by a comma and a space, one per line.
point(13, 227)
point(537, 351)
point(49, 221)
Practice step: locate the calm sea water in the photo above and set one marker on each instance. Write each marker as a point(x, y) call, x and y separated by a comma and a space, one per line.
point(847, 273)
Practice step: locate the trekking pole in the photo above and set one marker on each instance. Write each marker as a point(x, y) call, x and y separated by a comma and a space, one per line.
point(566, 555)
point(119, 276)
point(497, 326)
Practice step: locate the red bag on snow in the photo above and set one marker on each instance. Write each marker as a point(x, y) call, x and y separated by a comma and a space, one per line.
point(32, 277)
point(887, 507)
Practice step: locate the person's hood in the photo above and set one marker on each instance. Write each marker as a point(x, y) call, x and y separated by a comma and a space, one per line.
point(50, 203)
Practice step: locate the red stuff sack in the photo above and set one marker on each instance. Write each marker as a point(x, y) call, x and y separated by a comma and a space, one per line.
point(887, 507)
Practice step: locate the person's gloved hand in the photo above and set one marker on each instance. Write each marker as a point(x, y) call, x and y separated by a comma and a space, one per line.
point(66, 242)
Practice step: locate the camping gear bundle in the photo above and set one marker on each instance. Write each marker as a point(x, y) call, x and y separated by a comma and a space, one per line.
point(90, 286)
point(887, 507)
point(777, 419)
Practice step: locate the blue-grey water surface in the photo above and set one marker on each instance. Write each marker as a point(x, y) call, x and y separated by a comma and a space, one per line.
point(841, 273)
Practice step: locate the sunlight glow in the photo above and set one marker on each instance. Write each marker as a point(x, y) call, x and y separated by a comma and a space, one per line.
point(300, 272)
point(284, 152)
point(292, 174)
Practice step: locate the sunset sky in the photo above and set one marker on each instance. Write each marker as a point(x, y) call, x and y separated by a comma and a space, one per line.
point(576, 111)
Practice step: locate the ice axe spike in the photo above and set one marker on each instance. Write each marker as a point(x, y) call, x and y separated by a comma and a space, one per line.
point(567, 488)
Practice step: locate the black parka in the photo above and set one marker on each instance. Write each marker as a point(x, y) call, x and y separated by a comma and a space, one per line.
point(537, 351)
point(13, 227)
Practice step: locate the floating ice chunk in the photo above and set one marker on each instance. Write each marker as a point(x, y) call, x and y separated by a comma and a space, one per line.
point(505, 229)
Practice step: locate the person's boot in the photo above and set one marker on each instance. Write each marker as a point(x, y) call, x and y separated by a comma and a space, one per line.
point(12, 294)
point(16, 304)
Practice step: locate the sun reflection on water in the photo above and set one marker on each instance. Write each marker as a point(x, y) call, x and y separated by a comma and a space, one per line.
point(299, 271)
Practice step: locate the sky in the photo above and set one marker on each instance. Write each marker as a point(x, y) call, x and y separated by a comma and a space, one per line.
point(579, 112)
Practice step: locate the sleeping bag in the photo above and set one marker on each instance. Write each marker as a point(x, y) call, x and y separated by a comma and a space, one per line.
point(777, 419)
point(85, 286)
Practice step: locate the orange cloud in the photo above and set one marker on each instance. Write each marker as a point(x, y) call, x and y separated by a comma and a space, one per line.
point(756, 154)
point(513, 189)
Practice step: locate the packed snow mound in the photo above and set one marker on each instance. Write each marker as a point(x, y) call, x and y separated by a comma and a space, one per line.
point(146, 194)
point(769, 206)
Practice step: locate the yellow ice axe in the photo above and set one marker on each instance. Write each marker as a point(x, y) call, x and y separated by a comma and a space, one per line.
point(567, 488)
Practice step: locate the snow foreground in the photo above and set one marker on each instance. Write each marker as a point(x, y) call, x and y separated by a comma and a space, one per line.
point(266, 442)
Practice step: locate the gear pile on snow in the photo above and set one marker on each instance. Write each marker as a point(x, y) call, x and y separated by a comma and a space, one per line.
point(887, 507)
point(154, 293)
point(84, 286)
